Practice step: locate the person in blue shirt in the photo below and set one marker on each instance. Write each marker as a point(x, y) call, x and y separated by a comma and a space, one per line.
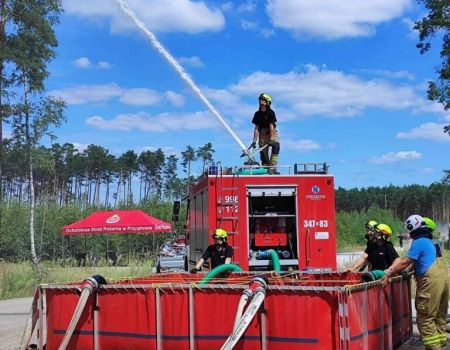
point(432, 280)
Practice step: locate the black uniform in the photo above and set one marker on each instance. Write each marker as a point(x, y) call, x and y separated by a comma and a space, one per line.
point(263, 119)
point(382, 256)
point(217, 256)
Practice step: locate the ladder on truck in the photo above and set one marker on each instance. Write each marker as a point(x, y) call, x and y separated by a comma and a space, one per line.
point(223, 212)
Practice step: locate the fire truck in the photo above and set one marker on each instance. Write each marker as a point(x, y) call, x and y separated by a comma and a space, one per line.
point(292, 214)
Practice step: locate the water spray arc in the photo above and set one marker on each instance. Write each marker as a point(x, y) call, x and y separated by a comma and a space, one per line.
point(181, 72)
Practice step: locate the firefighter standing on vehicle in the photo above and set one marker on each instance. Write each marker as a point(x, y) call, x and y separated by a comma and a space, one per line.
point(432, 283)
point(218, 253)
point(379, 253)
point(265, 132)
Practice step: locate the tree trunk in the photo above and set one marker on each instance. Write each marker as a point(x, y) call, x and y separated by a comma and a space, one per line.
point(97, 191)
point(2, 42)
point(31, 198)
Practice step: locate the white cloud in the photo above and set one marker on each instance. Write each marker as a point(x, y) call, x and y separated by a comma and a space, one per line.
point(247, 6)
point(84, 94)
point(160, 123)
point(88, 93)
point(227, 6)
point(428, 131)
point(83, 62)
point(174, 98)
point(140, 97)
point(400, 74)
point(301, 145)
point(255, 27)
point(316, 91)
point(81, 147)
point(168, 151)
point(267, 33)
point(427, 170)
point(193, 61)
point(249, 25)
point(331, 19)
point(394, 157)
point(412, 34)
point(158, 15)
point(104, 65)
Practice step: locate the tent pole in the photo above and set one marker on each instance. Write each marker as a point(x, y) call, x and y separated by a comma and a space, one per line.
point(107, 250)
point(128, 244)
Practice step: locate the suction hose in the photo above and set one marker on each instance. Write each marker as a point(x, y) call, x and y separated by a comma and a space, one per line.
point(257, 289)
point(218, 270)
point(89, 285)
point(371, 276)
point(275, 260)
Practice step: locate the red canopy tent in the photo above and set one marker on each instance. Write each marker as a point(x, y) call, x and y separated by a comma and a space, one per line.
point(117, 221)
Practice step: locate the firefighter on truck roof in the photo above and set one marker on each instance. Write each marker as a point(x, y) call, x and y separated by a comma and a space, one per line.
point(265, 132)
point(432, 283)
point(219, 253)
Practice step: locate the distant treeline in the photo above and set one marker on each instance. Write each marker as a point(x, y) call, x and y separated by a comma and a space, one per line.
point(62, 174)
point(432, 201)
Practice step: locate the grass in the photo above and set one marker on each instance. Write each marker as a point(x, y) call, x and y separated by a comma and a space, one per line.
point(20, 279)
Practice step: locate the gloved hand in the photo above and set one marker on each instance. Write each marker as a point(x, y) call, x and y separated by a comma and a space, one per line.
point(194, 270)
point(273, 135)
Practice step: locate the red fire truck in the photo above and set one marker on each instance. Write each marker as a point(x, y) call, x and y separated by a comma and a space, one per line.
point(292, 214)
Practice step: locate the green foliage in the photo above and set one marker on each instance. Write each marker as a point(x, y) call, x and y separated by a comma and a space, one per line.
point(52, 246)
point(434, 24)
point(20, 279)
point(351, 231)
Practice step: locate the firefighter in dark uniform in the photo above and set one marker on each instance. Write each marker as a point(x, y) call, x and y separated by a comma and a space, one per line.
point(361, 263)
point(432, 283)
point(218, 253)
point(265, 132)
point(379, 253)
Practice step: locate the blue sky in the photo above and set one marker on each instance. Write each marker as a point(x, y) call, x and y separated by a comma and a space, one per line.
point(348, 83)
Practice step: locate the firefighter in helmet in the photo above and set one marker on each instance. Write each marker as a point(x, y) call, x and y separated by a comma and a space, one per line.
point(379, 253)
point(361, 263)
point(370, 230)
point(218, 253)
point(265, 132)
point(436, 235)
point(432, 281)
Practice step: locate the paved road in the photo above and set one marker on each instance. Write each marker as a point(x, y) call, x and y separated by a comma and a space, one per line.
point(13, 318)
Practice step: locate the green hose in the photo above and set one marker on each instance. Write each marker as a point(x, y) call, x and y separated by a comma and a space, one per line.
point(218, 270)
point(275, 260)
point(371, 276)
